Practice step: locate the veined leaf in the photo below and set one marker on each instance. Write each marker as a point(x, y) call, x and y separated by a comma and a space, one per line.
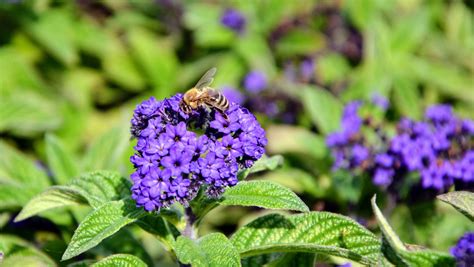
point(106, 152)
point(324, 109)
point(263, 164)
point(157, 59)
point(264, 194)
point(292, 139)
point(60, 161)
point(122, 260)
point(10, 198)
point(315, 232)
point(54, 197)
point(211, 250)
point(399, 254)
point(463, 201)
point(15, 167)
point(101, 186)
point(100, 224)
point(18, 252)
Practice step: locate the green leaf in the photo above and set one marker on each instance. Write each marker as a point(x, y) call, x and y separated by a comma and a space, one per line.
point(157, 58)
point(300, 42)
point(54, 197)
point(284, 139)
point(101, 223)
point(407, 98)
point(107, 151)
point(463, 201)
point(323, 108)
point(37, 113)
point(257, 54)
point(9, 197)
point(122, 260)
point(16, 168)
point(119, 66)
point(203, 18)
point(399, 254)
point(263, 164)
point(61, 162)
point(211, 250)
point(18, 252)
point(100, 187)
point(55, 31)
point(315, 232)
point(264, 194)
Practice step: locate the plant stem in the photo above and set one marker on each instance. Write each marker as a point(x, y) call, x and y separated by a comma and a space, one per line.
point(190, 230)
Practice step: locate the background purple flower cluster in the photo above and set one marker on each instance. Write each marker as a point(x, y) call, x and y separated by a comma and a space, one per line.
point(464, 250)
point(438, 148)
point(172, 160)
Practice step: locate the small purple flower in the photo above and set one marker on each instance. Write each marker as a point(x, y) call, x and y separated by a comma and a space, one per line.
point(383, 177)
point(380, 101)
point(255, 82)
point(359, 154)
point(464, 250)
point(233, 20)
point(233, 95)
point(439, 113)
point(307, 69)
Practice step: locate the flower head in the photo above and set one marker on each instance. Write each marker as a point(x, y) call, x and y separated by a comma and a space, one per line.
point(172, 161)
point(233, 20)
point(464, 250)
point(255, 82)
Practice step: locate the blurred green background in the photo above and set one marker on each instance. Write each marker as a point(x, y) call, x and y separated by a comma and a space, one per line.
point(71, 73)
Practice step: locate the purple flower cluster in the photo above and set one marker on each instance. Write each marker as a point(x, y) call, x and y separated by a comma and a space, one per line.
point(233, 20)
point(255, 82)
point(438, 148)
point(173, 161)
point(464, 250)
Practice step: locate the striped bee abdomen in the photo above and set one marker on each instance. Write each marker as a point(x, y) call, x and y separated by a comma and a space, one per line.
point(222, 102)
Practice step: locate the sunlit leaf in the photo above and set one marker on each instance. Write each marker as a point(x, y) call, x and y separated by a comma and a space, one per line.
point(122, 260)
point(100, 187)
point(315, 232)
point(265, 163)
point(61, 161)
point(18, 252)
point(402, 255)
point(100, 224)
point(54, 197)
point(211, 250)
point(323, 108)
point(463, 201)
point(264, 194)
point(106, 151)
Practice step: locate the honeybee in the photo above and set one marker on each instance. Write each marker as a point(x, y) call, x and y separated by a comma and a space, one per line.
point(201, 95)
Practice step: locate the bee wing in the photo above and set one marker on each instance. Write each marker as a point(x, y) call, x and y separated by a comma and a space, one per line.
point(206, 79)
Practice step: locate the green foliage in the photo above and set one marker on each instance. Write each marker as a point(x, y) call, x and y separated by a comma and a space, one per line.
point(210, 250)
point(100, 224)
point(53, 197)
point(315, 232)
point(18, 252)
point(463, 201)
point(407, 255)
point(122, 260)
point(264, 194)
point(71, 73)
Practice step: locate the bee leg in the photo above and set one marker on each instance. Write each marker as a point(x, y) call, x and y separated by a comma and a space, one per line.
point(223, 115)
